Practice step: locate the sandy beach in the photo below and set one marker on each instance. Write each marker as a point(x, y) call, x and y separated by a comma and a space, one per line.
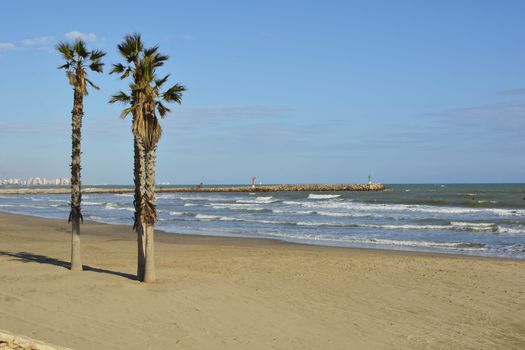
point(235, 293)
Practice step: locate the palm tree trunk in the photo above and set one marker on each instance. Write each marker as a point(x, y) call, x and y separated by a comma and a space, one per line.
point(75, 215)
point(150, 214)
point(139, 171)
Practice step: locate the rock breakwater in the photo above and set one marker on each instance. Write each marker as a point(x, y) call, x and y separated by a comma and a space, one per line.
point(265, 188)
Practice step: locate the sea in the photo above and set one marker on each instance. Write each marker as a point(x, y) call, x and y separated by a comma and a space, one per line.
point(473, 219)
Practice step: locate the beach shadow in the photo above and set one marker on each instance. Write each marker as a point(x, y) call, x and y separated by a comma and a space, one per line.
point(42, 259)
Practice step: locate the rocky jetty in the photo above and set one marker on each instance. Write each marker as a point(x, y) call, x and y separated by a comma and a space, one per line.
point(266, 188)
point(276, 188)
point(10, 341)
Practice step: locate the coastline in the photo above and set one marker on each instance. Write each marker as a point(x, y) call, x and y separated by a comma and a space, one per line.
point(243, 241)
point(238, 293)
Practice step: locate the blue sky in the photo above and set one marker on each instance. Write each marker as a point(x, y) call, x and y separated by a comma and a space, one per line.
point(288, 91)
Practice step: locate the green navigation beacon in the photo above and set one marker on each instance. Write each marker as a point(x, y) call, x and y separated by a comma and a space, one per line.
point(369, 179)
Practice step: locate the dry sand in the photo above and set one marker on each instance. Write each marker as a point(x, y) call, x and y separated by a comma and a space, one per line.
point(229, 293)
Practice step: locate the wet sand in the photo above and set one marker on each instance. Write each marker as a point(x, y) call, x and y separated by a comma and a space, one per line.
point(237, 293)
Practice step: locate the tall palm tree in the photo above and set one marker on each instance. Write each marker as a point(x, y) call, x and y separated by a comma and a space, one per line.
point(78, 61)
point(131, 49)
point(145, 101)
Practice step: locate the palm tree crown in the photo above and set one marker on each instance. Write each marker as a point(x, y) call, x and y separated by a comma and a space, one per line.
point(146, 99)
point(78, 60)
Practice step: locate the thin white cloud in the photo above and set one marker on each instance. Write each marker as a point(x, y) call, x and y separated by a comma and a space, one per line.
point(513, 92)
point(509, 117)
point(187, 37)
point(7, 47)
point(39, 41)
point(79, 35)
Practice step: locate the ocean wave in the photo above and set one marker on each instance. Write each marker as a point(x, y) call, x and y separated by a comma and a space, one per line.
point(25, 206)
point(212, 198)
point(238, 206)
point(114, 206)
point(190, 205)
point(258, 200)
point(177, 213)
point(34, 199)
point(93, 203)
point(207, 217)
point(403, 208)
point(323, 196)
point(475, 226)
point(293, 212)
point(511, 230)
point(339, 214)
point(429, 244)
point(125, 194)
point(461, 246)
point(456, 226)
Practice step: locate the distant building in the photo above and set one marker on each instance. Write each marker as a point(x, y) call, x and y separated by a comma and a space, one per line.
point(35, 181)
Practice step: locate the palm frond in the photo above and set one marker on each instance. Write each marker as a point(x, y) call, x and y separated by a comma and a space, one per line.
point(151, 51)
point(96, 66)
point(120, 97)
point(126, 111)
point(162, 109)
point(91, 84)
point(96, 55)
point(80, 48)
point(65, 66)
point(66, 50)
point(117, 68)
point(130, 47)
point(158, 60)
point(174, 93)
point(160, 82)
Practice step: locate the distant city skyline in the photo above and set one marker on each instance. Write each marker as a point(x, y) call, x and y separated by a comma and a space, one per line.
point(36, 181)
point(287, 91)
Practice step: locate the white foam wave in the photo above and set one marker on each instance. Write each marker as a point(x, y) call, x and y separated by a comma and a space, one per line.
point(191, 205)
point(512, 230)
point(114, 206)
point(340, 214)
point(176, 213)
point(323, 196)
point(404, 208)
point(411, 243)
point(258, 200)
point(293, 212)
point(207, 217)
point(474, 226)
point(46, 200)
point(24, 206)
point(384, 242)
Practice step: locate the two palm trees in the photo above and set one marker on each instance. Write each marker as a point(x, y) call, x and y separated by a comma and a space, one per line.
point(145, 102)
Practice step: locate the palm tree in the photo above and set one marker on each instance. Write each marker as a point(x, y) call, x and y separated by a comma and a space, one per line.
point(78, 61)
point(131, 49)
point(145, 101)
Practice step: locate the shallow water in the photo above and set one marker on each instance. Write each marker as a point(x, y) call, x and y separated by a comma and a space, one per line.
point(486, 220)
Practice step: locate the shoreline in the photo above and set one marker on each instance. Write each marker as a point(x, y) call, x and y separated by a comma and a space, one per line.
point(238, 293)
point(277, 241)
point(243, 189)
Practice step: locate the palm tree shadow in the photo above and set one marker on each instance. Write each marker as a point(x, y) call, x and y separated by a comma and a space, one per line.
point(42, 259)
